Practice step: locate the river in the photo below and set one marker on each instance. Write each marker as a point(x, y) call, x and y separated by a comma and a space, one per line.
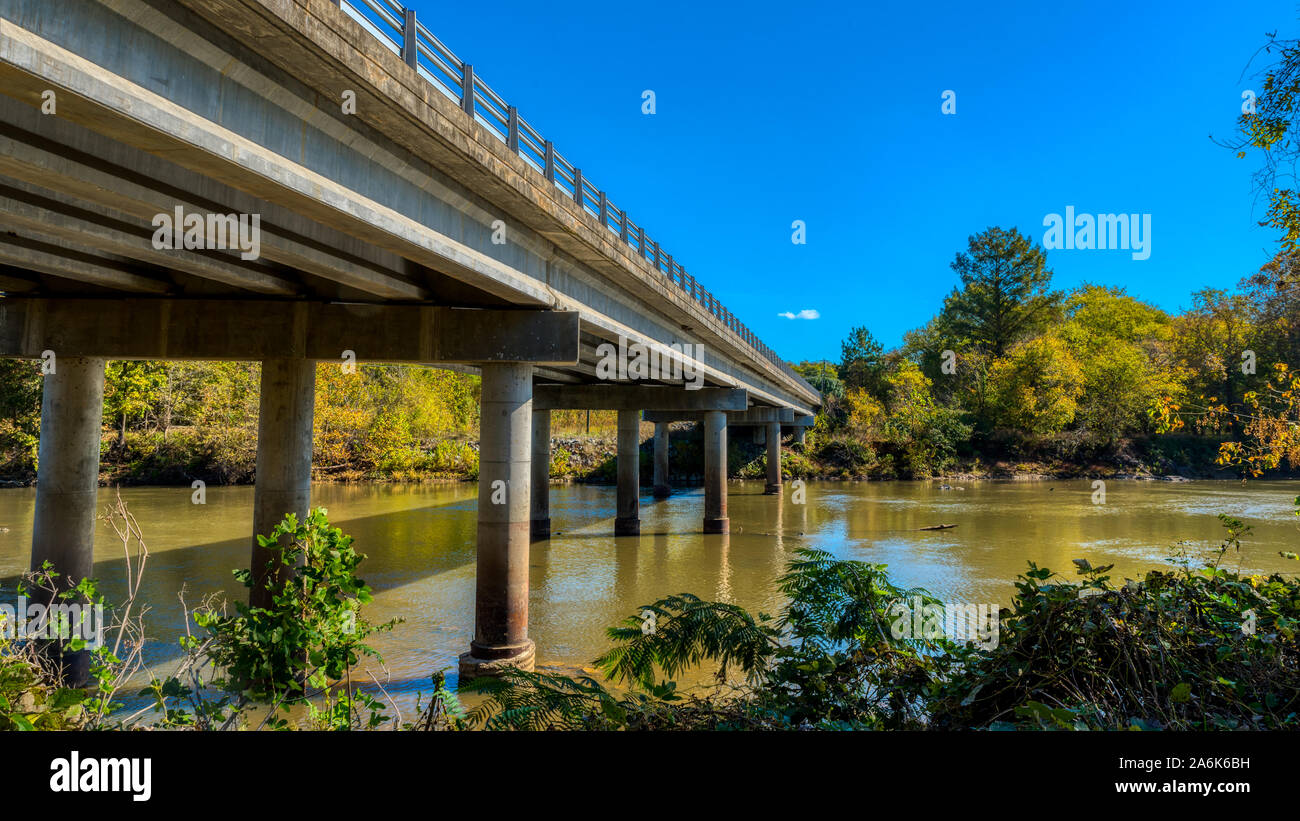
point(419, 540)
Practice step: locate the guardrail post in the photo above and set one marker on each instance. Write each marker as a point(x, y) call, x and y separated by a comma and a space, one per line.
point(670, 266)
point(578, 196)
point(656, 255)
point(623, 225)
point(512, 128)
point(640, 240)
point(604, 210)
point(410, 45)
point(550, 161)
point(467, 89)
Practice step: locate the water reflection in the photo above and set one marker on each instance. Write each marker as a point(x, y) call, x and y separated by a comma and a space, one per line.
point(420, 545)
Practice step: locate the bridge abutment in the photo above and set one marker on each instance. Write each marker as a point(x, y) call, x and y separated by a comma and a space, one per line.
point(628, 521)
point(67, 481)
point(284, 443)
point(504, 509)
point(662, 487)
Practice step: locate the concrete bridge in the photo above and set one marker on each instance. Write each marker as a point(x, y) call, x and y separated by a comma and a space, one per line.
point(305, 181)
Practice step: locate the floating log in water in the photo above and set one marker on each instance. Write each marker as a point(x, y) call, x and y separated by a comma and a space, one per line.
point(936, 527)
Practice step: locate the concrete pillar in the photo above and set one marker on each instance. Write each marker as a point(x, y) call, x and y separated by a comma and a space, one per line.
point(283, 482)
point(63, 531)
point(540, 526)
point(773, 458)
point(504, 484)
point(662, 485)
point(715, 472)
point(628, 520)
point(798, 434)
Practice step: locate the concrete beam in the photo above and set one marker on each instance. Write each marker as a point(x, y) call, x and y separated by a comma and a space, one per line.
point(624, 396)
point(126, 195)
point(752, 416)
point(73, 263)
point(42, 218)
point(265, 329)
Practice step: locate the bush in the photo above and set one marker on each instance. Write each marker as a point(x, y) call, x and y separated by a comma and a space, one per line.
point(1171, 651)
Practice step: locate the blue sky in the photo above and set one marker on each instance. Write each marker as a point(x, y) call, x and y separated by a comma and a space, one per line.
point(830, 113)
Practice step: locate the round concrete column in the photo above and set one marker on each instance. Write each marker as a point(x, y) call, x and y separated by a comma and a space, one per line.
point(540, 526)
point(504, 484)
point(628, 521)
point(773, 458)
point(799, 434)
point(284, 434)
point(662, 486)
point(715, 472)
point(63, 530)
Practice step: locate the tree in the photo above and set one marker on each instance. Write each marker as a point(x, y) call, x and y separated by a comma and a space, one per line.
point(1036, 387)
point(1210, 340)
point(1004, 294)
point(132, 391)
point(822, 376)
point(862, 362)
point(1273, 127)
point(20, 413)
point(1273, 294)
point(1122, 346)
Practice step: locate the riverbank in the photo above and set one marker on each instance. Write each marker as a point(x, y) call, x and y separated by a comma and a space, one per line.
point(184, 456)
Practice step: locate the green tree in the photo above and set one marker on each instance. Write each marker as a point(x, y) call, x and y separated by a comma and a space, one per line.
point(822, 376)
point(1004, 294)
point(1122, 347)
point(20, 413)
point(1036, 387)
point(1273, 127)
point(1210, 340)
point(862, 363)
point(132, 391)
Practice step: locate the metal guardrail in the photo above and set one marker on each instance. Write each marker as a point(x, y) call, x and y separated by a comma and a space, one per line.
point(399, 29)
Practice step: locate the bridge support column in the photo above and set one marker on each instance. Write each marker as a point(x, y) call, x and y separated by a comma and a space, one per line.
point(715, 472)
point(798, 434)
point(662, 486)
point(540, 527)
point(628, 521)
point(773, 458)
point(283, 481)
point(63, 530)
point(504, 484)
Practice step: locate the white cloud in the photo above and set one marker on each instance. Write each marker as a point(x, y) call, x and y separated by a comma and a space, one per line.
point(806, 313)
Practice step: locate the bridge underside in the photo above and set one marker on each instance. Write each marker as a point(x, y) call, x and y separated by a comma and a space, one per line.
point(400, 234)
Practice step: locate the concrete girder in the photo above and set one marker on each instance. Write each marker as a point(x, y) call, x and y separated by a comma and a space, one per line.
point(635, 397)
point(264, 329)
